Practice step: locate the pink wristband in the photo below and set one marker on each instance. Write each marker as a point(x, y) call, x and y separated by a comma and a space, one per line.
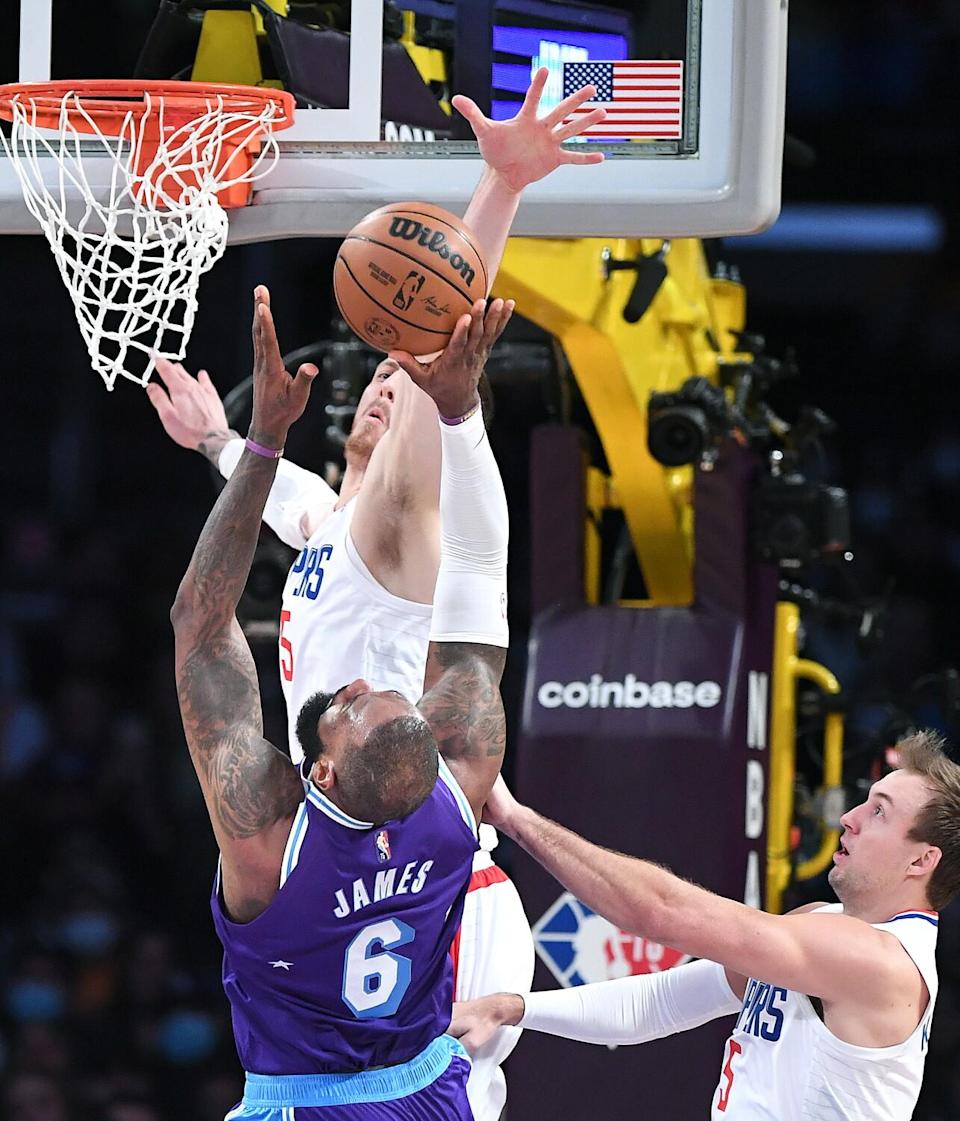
point(459, 419)
point(259, 449)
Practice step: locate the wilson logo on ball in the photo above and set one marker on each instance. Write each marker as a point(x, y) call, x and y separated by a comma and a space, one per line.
point(409, 229)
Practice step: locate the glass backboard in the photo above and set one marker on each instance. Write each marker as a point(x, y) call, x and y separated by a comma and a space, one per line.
point(695, 93)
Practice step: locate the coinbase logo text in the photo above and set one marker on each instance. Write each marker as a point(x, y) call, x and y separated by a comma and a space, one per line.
point(628, 693)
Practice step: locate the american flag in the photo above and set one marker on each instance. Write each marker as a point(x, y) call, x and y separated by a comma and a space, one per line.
point(642, 99)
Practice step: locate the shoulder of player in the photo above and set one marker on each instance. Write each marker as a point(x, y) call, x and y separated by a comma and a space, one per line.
point(891, 968)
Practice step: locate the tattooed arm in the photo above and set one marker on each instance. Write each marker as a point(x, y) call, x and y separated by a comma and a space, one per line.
point(250, 788)
point(463, 707)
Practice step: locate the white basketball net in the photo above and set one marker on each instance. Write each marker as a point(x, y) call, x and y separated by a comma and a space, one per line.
point(130, 254)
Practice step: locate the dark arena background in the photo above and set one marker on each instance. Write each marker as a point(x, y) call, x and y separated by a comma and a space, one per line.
point(110, 1003)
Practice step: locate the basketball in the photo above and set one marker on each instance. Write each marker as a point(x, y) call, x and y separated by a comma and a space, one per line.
point(405, 274)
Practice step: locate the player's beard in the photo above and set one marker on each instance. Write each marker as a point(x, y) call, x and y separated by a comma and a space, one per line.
point(362, 440)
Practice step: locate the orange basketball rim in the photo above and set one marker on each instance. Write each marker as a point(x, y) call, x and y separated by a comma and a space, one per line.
point(152, 112)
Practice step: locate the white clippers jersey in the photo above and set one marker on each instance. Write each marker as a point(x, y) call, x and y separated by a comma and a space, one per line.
point(783, 1063)
point(338, 623)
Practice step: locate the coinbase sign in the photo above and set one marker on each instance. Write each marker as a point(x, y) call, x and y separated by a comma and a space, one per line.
point(628, 693)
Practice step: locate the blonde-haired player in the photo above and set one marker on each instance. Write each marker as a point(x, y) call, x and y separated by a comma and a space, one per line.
point(834, 1001)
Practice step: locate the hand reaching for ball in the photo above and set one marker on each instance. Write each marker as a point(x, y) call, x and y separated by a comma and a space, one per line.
point(451, 379)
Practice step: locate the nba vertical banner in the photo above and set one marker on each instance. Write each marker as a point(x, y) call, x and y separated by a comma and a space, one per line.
point(645, 730)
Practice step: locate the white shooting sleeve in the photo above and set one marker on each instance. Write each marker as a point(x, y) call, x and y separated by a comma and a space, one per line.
point(634, 1009)
point(297, 503)
point(470, 603)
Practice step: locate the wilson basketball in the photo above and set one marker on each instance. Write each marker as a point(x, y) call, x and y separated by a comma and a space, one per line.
point(405, 274)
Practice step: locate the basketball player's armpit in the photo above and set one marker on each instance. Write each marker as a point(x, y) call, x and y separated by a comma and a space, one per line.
point(463, 706)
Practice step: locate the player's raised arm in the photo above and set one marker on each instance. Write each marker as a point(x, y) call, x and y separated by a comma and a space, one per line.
point(469, 634)
point(250, 788)
point(517, 153)
point(396, 525)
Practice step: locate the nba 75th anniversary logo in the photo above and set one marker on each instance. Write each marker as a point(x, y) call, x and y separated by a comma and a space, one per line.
point(578, 946)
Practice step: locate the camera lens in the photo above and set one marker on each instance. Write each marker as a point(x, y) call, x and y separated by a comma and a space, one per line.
point(677, 434)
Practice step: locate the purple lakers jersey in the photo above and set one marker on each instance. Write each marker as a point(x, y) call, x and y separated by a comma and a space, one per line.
point(349, 967)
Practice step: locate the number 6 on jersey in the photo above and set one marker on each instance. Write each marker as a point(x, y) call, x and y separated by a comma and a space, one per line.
point(375, 980)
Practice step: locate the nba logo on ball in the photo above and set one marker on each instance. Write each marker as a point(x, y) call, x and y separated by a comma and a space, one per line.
point(383, 846)
point(407, 292)
point(579, 946)
point(405, 274)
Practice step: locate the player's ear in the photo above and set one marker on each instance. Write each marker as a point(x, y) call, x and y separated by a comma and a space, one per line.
point(323, 773)
point(926, 861)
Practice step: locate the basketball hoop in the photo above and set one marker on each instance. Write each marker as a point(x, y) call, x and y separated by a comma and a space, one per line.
point(134, 209)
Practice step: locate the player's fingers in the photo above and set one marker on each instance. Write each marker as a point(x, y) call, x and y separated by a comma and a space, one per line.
point(166, 370)
point(581, 157)
point(488, 324)
point(567, 106)
point(160, 401)
point(578, 124)
point(302, 382)
point(255, 329)
point(454, 350)
point(471, 112)
point(417, 373)
point(534, 93)
point(269, 347)
point(478, 316)
point(496, 324)
point(153, 390)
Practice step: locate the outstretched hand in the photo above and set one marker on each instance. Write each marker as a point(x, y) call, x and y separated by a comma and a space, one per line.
point(452, 378)
point(278, 398)
point(190, 410)
point(527, 147)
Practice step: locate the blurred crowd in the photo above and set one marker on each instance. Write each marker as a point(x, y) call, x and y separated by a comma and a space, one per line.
point(110, 1006)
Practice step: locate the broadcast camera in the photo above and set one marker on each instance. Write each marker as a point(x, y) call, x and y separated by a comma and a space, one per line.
point(795, 521)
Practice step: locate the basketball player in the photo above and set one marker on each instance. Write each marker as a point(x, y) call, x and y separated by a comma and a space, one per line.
point(837, 999)
point(375, 547)
point(337, 909)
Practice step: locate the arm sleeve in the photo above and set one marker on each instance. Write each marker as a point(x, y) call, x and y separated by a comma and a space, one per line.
point(470, 602)
point(634, 1009)
point(298, 501)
